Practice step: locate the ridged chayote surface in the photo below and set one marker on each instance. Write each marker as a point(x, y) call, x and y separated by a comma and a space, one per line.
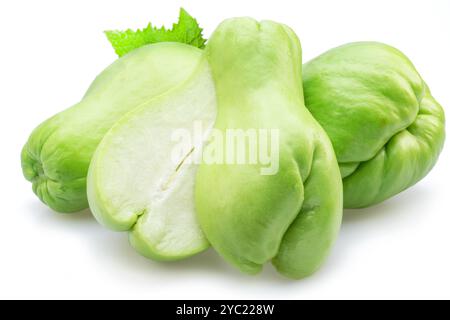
point(57, 155)
point(386, 128)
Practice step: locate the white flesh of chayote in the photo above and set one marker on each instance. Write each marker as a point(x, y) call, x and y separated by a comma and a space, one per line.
point(133, 182)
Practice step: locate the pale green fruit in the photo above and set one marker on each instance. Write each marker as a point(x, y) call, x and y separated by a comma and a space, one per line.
point(136, 185)
point(292, 217)
point(386, 128)
point(57, 155)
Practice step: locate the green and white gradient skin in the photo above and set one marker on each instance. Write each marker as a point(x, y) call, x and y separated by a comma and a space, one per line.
point(293, 217)
point(58, 152)
point(135, 184)
point(386, 128)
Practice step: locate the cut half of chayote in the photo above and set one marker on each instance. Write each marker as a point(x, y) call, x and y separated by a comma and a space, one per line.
point(139, 182)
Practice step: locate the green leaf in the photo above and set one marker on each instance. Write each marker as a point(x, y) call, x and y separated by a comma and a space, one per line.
point(186, 31)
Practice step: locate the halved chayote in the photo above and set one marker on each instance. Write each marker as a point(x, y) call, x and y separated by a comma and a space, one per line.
point(136, 184)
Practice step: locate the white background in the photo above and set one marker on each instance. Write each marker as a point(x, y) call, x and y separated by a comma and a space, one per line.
point(49, 53)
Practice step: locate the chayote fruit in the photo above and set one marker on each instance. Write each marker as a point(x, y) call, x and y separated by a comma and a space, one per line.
point(291, 217)
point(386, 128)
point(57, 155)
point(139, 181)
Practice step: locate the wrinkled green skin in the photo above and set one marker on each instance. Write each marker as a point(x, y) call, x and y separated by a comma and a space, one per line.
point(57, 155)
point(290, 218)
point(386, 128)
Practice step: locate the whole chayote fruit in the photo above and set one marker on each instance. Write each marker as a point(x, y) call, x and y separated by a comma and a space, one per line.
point(386, 128)
point(291, 217)
point(57, 155)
